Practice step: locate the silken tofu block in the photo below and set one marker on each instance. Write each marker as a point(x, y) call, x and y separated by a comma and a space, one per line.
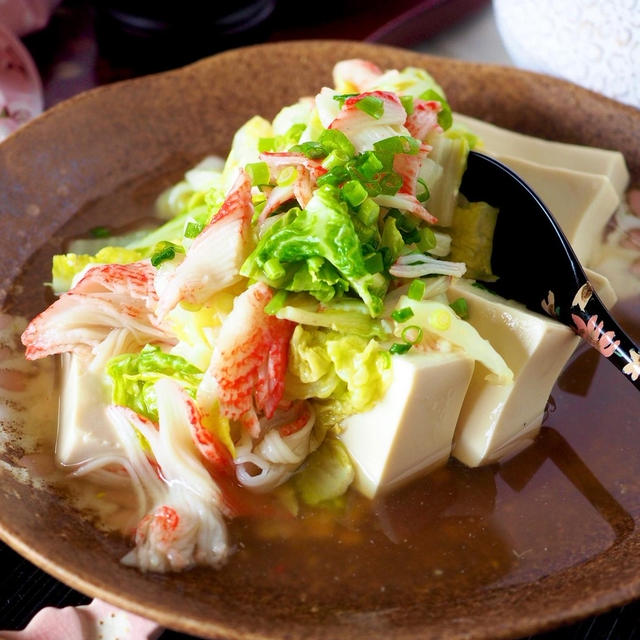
point(503, 142)
point(582, 203)
point(410, 431)
point(83, 424)
point(500, 420)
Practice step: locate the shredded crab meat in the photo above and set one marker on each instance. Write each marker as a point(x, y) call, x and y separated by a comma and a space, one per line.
point(406, 202)
point(106, 296)
point(362, 129)
point(416, 265)
point(183, 523)
point(407, 166)
point(424, 118)
point(261, 466)
point(250, 359)
point(227, 237)
point(308, 171)
point(276, 198)
point(358, 74)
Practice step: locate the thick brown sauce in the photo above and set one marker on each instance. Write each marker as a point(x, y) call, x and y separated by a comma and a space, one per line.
point(565, 499)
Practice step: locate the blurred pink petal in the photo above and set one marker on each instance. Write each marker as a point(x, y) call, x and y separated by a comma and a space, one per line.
point(20, 87)
point(90, 622)
point(24, 16)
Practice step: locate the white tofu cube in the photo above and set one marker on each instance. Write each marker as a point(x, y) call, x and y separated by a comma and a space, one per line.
point(503, 142)
point(500, 420)
point(410, 430)
point(582, 203)
point(83, 425)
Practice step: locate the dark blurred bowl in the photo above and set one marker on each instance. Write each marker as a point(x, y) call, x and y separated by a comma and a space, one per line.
point(153, 36)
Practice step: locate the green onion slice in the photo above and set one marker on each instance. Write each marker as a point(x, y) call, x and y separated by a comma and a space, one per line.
point(461, 308)
point(372, 106)
point(165, 251)
point(412, 334)
point(399, 348)
point(276, 303)
point(402, 315)
point(100, 232)
point(445, 116)
point(416, 290)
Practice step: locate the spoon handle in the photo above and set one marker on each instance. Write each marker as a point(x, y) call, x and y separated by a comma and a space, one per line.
point(591, 320)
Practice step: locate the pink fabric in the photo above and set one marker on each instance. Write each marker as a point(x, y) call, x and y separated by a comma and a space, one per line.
point(24, 16)
point(90, 622)
point(20, 86)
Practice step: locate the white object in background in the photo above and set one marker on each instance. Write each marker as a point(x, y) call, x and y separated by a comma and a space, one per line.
point(593, 43)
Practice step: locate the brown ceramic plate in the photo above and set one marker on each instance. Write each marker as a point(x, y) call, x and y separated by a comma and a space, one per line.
point(523, 547)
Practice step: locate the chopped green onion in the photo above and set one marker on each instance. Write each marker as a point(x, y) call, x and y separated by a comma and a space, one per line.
point(368, 211)
point(461, 308)
point(165, 251)
point(335, 159)
point(373, 188)
point(387, 256)
point(258, 172)
point(343, 97)
point(311, 149)
point(402, 315)
point(412, 237)
point(334, 177)
point(390, 183)
point(257, 209)
point(427, 239)
point(397, 144)
point(276, 303)
point(385, 360)
point(399, 348)
point(412, 334)
point(407, 103)
point(100, 232)
point(334, 140)
point(445, 116)
point(193, 228)
point(404, 223)
point(425, 194)
point(266, 144)
point(374, 263)
point(416, 290)
point(290, 137)
point(354, 193)
point(372, 106)
point(273, 269)
point(368, 164)
point(287, 176)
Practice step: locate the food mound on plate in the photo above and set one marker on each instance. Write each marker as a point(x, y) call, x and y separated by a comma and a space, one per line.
point(310, 317)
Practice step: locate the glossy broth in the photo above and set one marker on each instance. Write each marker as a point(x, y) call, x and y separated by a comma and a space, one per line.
point(565, 499)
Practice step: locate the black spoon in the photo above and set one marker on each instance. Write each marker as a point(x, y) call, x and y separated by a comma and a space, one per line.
point(536, 265)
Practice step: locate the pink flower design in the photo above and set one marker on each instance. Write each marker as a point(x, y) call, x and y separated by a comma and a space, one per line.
point(632, 368)
point(592, 333)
